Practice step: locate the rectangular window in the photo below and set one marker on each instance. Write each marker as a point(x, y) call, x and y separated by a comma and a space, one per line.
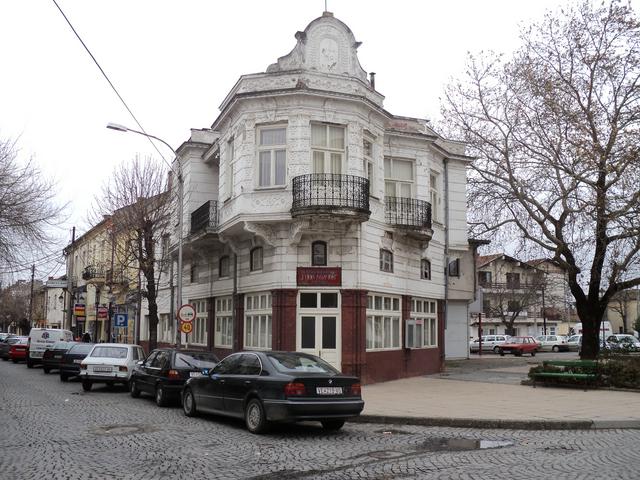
point(398, 178)
point(434, 195)
point(229, 157)
point(484, 279)
point(425, 269)
point(166, 331)
point(513, 280)
point(421, 330)
point(224, 322)
point(454, 268)
point(257, 321)
point(383, 322)
point(327, 148)
point(386, 261)
point(272, 156)
point(199, 332)
point(224, 267)
point(367, 164)
point(193, 273)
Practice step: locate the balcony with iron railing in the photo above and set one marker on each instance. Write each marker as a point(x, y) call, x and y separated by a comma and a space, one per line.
point(331, 194)
point(205, 217)
point(409, 214)
point(94, 274)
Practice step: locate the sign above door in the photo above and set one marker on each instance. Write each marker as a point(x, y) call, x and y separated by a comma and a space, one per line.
point(319, 276)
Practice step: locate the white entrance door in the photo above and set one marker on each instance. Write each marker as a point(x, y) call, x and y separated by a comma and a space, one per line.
point(318, 328)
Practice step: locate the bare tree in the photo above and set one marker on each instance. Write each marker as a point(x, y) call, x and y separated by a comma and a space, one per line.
point(555, 132)
point(28, 210)
point(138, 201)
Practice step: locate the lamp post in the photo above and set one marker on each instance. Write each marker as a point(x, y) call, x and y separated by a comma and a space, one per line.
point(122, 128)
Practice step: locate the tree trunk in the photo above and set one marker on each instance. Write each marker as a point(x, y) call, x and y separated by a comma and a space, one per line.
point(591, 318)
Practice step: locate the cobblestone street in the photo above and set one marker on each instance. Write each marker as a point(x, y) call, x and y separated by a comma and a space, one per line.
point(53, 430)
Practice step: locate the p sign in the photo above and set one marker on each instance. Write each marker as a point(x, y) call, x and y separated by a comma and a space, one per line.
point(121, 320)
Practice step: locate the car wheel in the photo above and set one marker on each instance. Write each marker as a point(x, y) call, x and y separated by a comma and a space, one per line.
point(14, 360)
point(255, 417)
point(496, 349)
point(518, 353)
point(5, 358)
point(64, 378)
point(86, 385)
point(332, 425)
point(134, 391)
point(555, 348)
point(533, 353)
point(29, 363)
point(161, 396)
point(46, 370)
point(189, 403)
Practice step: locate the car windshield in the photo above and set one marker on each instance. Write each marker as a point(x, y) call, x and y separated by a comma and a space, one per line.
point(61, 345)
point(81, 348)
point(12, 340)
point(109, 352)
point(296, 363)
point(517, 340)
point(195, 360)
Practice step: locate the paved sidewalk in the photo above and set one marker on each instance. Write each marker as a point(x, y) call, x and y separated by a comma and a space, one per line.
point(484, 399)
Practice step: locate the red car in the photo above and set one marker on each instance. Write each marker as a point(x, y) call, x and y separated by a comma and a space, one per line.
point(519, 345)
point(19, 350)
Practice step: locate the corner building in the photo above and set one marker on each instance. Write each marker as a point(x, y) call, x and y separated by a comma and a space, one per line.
point(317, 221)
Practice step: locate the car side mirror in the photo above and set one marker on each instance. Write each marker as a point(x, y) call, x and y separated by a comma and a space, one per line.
point(140, 362)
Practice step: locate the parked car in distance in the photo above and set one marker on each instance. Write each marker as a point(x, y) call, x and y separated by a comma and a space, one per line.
point(109, 363)
point(165, 371)
point(490, 343)
point(53, 355)
point(574, 342)
point(42, 338)
point(19, 350)
point(71, 359)
point(552, 343)
point(5, 346)
point(623, 342)
point(519, 346)
point(271, 386)
point(4, 335)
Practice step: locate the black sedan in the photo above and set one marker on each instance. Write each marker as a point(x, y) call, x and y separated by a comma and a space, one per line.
point(52, 357)
point(71, 359)
point(165, 371)
point(265, 387)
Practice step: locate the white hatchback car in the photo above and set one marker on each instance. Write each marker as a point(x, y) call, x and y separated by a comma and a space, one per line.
point(490, 343)
point(109, 363)
point(553, 343)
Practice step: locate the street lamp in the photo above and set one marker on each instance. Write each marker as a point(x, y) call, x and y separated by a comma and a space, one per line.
point(122, 128)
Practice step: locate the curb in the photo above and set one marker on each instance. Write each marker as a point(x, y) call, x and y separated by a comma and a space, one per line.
point(500, 423)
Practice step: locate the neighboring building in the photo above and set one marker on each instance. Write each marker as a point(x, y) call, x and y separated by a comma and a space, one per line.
point(317, 221)
point(101, 286)
point(623, 311)
point(514, 295)
point(558, 299)
point(53, 314)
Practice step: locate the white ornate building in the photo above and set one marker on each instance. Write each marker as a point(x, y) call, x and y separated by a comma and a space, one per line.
point(317, 221)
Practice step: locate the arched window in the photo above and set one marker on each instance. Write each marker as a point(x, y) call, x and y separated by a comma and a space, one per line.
point(223, 267)
point(386, 261)
point(319, 253)
point(425, 269)
point(255, 262)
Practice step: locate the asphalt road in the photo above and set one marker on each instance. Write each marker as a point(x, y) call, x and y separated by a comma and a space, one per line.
point(54, 430)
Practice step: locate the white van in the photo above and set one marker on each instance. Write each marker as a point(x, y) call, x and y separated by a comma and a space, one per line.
point(605, 329)
point(42, 338)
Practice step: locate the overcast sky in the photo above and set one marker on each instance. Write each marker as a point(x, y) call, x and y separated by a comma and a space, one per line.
point(175, 61)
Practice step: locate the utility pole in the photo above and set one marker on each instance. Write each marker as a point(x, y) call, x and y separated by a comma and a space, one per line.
point(33, 273)
point(70, 294)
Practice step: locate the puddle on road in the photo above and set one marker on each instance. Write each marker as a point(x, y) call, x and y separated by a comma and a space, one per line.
point(461, 444)
point(122, 429)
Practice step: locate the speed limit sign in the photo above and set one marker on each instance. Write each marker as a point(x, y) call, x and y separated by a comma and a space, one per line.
point(186, 313)
point(186, 327)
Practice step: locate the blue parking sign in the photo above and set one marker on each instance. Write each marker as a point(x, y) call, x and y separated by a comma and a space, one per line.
point(121, 320)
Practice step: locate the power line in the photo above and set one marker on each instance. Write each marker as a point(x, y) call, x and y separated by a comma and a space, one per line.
point(109, 81)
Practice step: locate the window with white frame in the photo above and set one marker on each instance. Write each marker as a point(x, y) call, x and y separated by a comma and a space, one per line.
point(434, 194)
point(398, 178)
point(367, 154)
point(383, 322)
point(166, 332)
point(199, 332)
point(272, 156)
point(327, 148)
point(223, 336)
point(386, 260)
point(230, 153)
point(255, 259)
point(257, 321)
point(422, 326)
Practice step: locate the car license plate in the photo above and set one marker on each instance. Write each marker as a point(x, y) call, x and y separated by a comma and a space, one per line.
point(102, 369)
point(57, 356)
point(329, 390)
point(77, 361)
point(195, 374)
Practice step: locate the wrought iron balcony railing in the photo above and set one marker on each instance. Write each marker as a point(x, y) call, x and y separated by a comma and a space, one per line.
point(205, 217)
point(94, 272)
point(408, 212)
point(330, 193)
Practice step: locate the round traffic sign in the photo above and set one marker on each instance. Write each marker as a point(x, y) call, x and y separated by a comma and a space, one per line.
point(186, 313)
point(186, 327)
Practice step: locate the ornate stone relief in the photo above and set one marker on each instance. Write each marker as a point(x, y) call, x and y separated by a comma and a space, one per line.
point(266, 232)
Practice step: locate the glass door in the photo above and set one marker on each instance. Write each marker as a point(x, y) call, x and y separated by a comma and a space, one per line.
point(318, 329)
